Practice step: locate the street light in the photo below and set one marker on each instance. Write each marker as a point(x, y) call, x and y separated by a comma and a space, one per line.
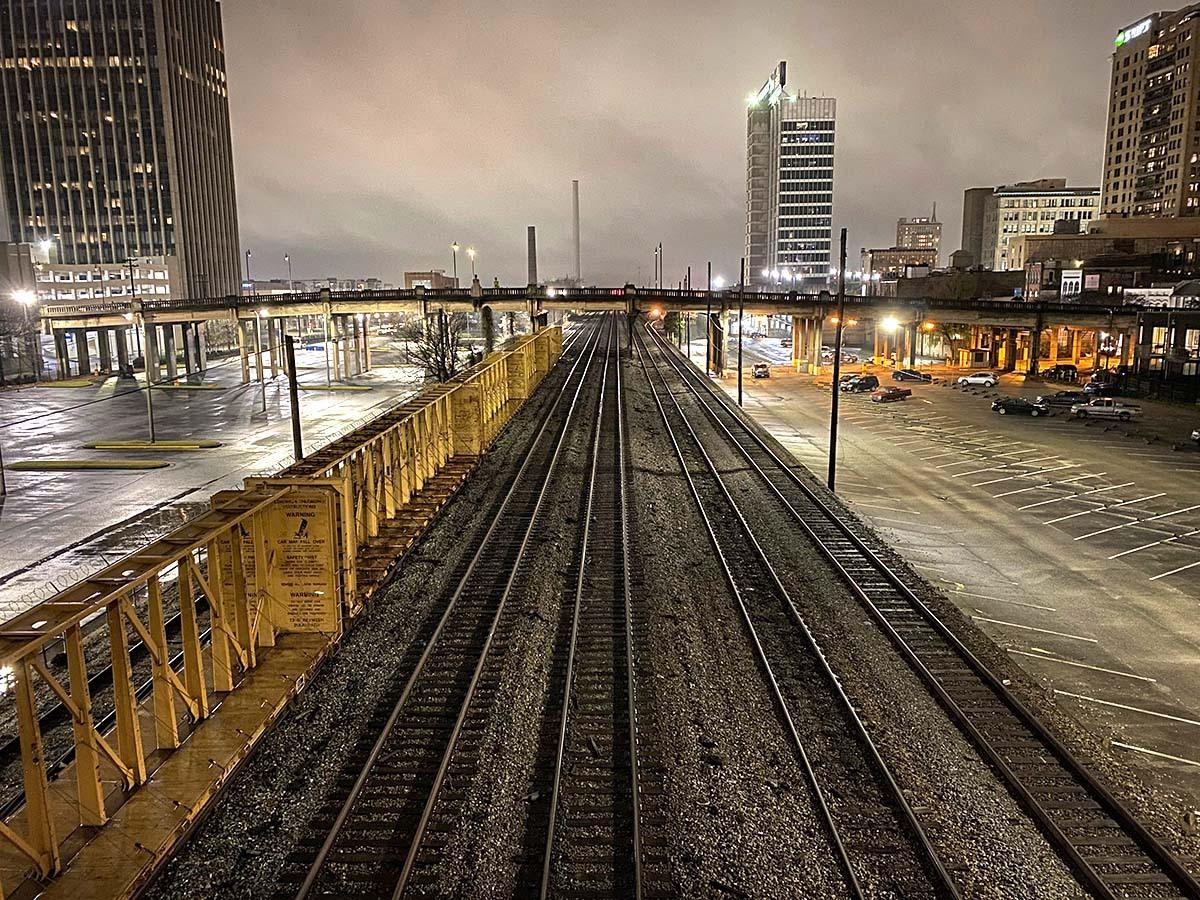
point(471, 253)
point(718, 282)
point(25, 296)
point(454, 254)
point(287, 258)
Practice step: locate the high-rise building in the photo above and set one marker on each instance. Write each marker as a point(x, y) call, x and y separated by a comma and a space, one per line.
point(997, 215)
point(1152, 157)
point(789, 186)
point(920, 234)
point(114, 136)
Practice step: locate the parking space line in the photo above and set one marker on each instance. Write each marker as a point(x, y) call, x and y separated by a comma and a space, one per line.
point(1159, 754)
point(1004, 600)
point(1015, 462)
point(1169, 540)
point(1137, 709)
point(1141, 522)
point(911, 512)
point(1032, 474)
point(1176, 571)
point(1079, 665)
point(1051, 485)
point(1063, 634)
point(1111, 487)
point(1100, 509)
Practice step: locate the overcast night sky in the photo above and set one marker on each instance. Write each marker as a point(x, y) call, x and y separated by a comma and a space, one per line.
point(369, 134)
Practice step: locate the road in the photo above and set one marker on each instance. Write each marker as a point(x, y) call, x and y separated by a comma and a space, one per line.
point(1075, 546)
point(56, 527)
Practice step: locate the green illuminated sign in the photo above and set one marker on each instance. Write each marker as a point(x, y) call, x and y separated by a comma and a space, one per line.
point(1133, 32)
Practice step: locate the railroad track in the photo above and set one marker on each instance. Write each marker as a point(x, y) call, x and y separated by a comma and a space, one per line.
point(593, 836)
point(387, 834)
point(1109, 850)
point(879, 844)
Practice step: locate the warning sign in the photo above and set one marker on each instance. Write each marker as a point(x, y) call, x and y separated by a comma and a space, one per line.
point(302, 561)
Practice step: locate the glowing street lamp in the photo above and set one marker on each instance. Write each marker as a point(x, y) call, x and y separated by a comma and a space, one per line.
point(719, 281)
point(25, 297)
point(454, 252)
point(471, 253)
point(889, 323)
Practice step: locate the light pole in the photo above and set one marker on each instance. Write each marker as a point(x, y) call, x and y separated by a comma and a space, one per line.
point(287, 258)
point(837, 366)
point(741, 316)
point(249, 279)
point(454, 259)
point(471, 253)
point(139, 323)
point(27, 299)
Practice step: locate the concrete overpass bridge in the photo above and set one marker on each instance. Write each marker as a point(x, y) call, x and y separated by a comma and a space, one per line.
point(994, 332)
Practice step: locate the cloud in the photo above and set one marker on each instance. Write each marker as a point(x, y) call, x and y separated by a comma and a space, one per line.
point(369, 134)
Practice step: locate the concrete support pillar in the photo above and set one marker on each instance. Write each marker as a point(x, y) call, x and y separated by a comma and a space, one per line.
point(104, 349)
point(878, 352)
point(913, 331)
point(487, 322)
point(335, 345)
point(1129, 347)
point(347, 349)
point(201, 339)
point(243, 353)
point(170, 352)
point(1010, 349)
point(189, 366)
point(82, 356)
point(122, 340)
point(61, 357)
point(272, 330)
point(258, 350)
point(816, 342)
point(356, 344)
point(152, 355)
point(797, 341)
point(1035, 352)
point(1096, 356)
point(366, 341)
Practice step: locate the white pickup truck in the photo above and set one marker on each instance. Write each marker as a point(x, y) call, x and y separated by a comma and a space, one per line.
point(1106, 408)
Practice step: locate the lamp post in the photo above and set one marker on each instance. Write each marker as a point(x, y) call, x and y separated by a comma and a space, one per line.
point(837, 365)
point(249, 279)
point(741, 316)
point(454, 260)
point(287, 258)
point(471, 253)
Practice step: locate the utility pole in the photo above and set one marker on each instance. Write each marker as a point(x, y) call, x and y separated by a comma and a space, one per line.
point(741, 313)
point(139, 323)
point(294, 396)
point(837, 366)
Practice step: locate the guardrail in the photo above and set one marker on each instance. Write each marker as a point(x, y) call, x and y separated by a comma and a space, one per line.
point(278, 557)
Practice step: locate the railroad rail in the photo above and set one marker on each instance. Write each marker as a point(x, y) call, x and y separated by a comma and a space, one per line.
point(593, 841)
point(1110, 851)
point(880, 845)
point(381, 840)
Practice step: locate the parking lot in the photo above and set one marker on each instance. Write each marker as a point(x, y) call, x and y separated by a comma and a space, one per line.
point(1074, 544)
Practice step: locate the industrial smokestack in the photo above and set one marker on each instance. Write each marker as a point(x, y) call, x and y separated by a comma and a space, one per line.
point(575, 211)
point(533, 279)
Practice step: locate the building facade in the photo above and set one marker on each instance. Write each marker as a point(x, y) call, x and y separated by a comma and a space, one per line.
point(114, 136)
point(1152, 154)
point(789, 185)
point(975, 204)
point(894, 262)
point(1024, 208)
point(920, 234)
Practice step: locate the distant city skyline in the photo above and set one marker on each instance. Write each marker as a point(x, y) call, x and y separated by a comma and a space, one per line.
point(441, 146)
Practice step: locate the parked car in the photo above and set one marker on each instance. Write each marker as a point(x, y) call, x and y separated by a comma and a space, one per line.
point(761, 370)
point(850, 357)
point(910, 375)
point(987, 379)
point(757, 336)
point(860, 384)
point(890, 394)
point(1096, 388)
point(1106, 408)
point(1064, 398)
point(1020, 406)
point(1062, 372)
point(1196, 435)
point(785, 342)
point(385, 329)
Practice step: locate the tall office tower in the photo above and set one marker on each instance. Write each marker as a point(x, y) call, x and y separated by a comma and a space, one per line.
point(920, 234)
point(789, 187)
point(114, 136)
point(1152, 157)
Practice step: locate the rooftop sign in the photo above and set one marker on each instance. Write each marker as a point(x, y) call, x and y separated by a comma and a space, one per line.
point(1133, 32)
point(770, 91)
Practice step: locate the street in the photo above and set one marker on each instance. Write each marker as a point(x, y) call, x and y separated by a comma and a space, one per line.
point(1075, 545)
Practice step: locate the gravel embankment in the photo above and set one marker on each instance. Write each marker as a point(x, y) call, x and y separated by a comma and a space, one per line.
point(743, 823)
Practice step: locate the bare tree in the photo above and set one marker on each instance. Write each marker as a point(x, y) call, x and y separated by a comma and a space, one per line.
point(439, 345)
